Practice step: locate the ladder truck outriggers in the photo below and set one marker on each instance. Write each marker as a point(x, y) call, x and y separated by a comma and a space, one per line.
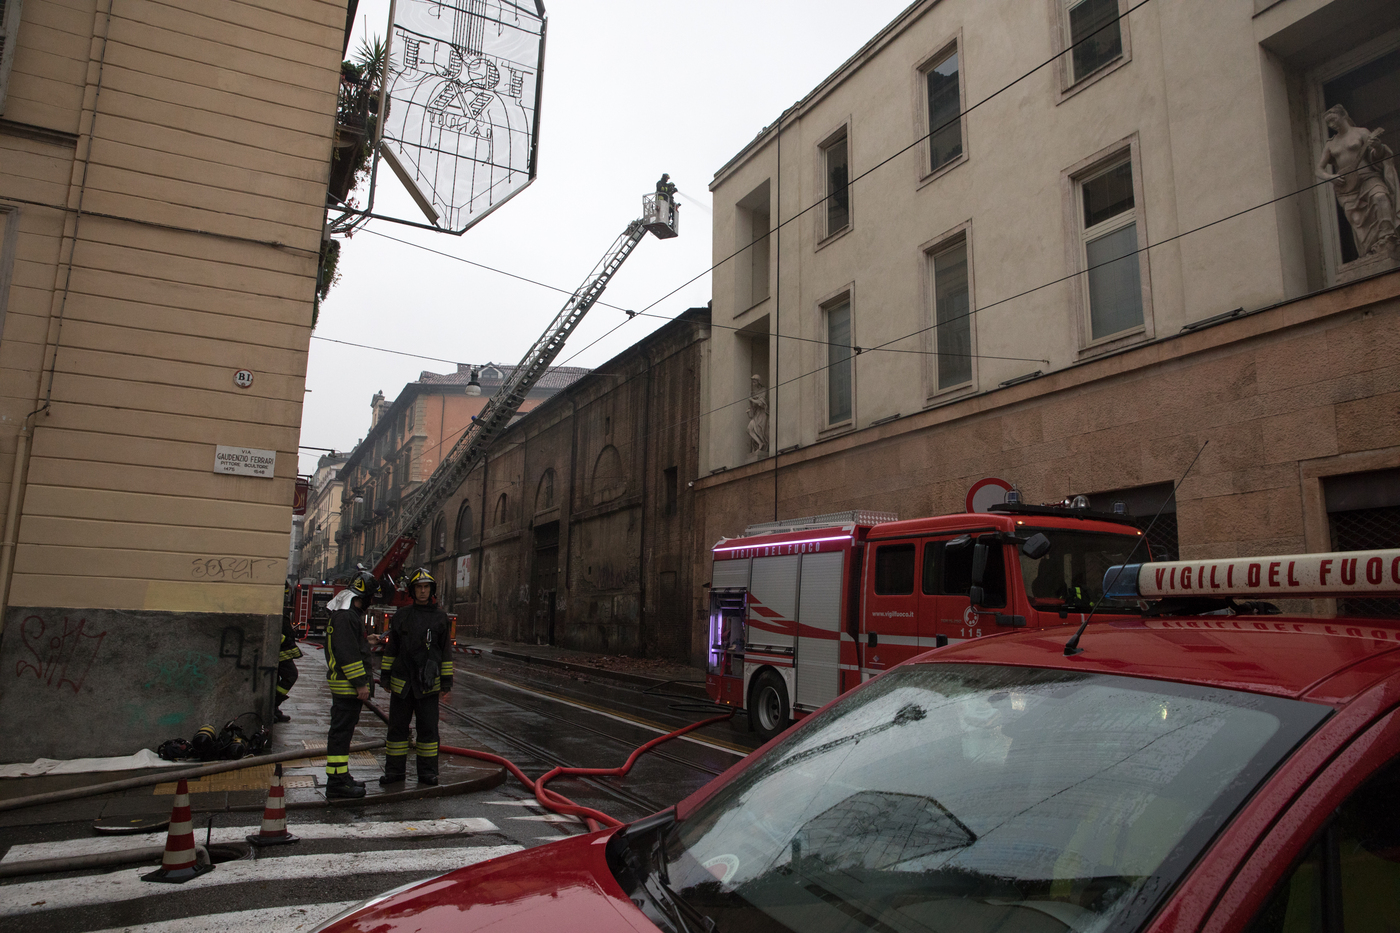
point(660, 217)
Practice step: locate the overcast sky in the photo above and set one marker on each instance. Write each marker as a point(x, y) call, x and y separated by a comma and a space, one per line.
point(632, 88)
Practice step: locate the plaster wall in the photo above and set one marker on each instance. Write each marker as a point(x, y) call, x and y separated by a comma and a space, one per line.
point(1207, 99)
point(1273, 403)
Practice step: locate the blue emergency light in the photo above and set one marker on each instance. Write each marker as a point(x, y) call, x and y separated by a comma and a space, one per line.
point(1121, 582)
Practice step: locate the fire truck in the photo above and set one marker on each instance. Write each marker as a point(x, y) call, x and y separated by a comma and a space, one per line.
point(309, 613)
point(802, 611)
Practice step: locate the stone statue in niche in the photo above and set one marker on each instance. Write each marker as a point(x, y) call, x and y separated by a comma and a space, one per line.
point(758, 417)
point(1363, 175)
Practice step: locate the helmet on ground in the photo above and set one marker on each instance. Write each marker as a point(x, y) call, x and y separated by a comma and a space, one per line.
point(421, 575)
point(363, 585)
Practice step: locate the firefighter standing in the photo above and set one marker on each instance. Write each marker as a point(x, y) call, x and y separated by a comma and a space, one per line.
point(348, 676)
point(287, 656)
point(416, 669)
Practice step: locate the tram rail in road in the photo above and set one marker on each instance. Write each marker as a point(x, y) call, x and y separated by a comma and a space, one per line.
point(546, 727)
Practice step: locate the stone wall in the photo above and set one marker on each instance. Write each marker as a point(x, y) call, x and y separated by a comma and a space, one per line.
point(104, 682)
point(1272, 403)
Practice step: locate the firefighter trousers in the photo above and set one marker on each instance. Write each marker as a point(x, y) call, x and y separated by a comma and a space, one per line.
point(286, 676)
point(423, 710)
point(345, 715)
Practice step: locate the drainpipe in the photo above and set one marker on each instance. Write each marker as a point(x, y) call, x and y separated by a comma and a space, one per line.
point(7, 545)
point(642, 533)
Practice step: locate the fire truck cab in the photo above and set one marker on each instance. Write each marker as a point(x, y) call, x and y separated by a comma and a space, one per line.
point(309, 613)
point(802, 611)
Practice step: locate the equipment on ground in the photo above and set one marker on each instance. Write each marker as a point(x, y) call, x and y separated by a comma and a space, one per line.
point(660, 216)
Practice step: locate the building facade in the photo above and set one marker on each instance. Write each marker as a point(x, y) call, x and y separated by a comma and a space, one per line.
point(1080, 246)
point(578, 528)
point(320, 550)
point(407, 440)
point(163, 172)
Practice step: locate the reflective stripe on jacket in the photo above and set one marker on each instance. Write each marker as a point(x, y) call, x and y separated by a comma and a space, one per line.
point(347, 653)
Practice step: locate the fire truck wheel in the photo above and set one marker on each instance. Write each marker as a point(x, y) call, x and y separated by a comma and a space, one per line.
point(768, 706)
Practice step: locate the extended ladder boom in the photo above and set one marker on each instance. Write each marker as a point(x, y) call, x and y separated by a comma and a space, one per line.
point(659, 216)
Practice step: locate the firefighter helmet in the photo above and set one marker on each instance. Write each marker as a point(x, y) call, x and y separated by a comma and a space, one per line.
point(421, 575)
point(363, 585)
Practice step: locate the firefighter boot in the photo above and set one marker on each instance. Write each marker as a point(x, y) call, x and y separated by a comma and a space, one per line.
point(428, 771)
point(340, 785)
point(395, 769)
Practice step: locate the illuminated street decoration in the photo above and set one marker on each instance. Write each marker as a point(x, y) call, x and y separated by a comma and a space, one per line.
point(462, 104)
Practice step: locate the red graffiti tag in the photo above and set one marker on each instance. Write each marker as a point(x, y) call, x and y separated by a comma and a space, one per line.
point(60, 659)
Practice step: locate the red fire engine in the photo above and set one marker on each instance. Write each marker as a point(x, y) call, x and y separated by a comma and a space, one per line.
point(309, 613)
point(802, 611)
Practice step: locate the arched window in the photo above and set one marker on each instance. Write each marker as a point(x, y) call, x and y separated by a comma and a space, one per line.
point(464, 529)
point(608, 481)
point(544, 496)
point(502, 510)
point(440, 534)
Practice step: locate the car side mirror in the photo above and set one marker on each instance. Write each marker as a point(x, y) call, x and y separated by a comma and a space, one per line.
point(1036, 547)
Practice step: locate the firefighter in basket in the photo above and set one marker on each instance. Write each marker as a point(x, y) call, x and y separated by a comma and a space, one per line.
point(417, 671)
point(348, 676)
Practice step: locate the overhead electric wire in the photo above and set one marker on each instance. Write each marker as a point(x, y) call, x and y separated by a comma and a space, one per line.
point(886, 346)
point(781, 224)
point(1021, 294)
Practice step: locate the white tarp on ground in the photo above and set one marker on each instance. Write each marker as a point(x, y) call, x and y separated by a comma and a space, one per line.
point(145, 758)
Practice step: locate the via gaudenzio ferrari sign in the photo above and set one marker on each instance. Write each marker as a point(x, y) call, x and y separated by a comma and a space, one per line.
point(244, 461)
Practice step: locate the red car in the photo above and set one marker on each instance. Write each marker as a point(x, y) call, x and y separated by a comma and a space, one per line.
point(1216, 771)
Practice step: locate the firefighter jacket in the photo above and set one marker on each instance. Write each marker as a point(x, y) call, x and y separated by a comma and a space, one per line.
point(289, 651)
point(417, 655)
point(347, 653)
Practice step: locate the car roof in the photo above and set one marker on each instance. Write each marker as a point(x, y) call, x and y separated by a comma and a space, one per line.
point(1321, 660)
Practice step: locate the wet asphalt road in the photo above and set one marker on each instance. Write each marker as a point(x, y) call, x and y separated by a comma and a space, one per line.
point(537, 717)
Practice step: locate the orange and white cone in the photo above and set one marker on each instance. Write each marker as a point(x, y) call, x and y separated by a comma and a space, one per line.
point(274, 821)
point(180, 862)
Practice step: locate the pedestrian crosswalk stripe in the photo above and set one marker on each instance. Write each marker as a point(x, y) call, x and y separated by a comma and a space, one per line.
point(549, 818)
point(127, 885)
point(89, 845)
point(294, 919)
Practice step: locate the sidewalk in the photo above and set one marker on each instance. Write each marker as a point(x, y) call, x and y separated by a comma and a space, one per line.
point(648, 673)
point(245, 789)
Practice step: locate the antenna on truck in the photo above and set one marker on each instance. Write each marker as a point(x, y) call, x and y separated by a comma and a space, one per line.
point(1072, 646)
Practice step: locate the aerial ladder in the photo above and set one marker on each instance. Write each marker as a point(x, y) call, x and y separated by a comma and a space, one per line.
point(659, 217)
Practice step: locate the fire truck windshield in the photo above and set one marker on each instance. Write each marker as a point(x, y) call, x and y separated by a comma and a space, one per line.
point(1070, 575)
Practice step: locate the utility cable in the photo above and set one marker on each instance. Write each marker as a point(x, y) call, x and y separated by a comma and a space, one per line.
point(969, 313)
point(631, 314)
point(890, 158)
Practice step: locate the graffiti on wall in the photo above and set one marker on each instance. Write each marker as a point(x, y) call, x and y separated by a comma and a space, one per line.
point(230, 568)
point(245, 657)
point(62, 654)
point(187, 673)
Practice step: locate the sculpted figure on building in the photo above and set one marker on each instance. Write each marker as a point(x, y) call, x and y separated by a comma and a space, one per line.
point(758, 417)
point(1363, 175)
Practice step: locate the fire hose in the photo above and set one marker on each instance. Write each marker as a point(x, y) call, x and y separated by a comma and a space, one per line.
point(554, 801)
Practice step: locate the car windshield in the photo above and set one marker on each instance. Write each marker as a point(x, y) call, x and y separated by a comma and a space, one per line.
point(976, 798)
point(1070, 575)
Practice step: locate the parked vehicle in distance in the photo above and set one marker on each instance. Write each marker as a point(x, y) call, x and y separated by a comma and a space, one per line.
point(1186, 769)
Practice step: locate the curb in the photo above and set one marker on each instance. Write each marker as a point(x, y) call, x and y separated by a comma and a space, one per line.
point(695, 688)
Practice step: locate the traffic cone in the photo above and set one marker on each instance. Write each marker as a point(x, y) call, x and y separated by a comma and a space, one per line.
point(274, 821)
point(180, 862)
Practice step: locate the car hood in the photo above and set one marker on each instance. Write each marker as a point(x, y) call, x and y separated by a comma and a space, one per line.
point(564, 885)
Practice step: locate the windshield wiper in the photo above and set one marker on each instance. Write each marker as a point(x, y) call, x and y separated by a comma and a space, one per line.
point(680, 907)
point(648, 864)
